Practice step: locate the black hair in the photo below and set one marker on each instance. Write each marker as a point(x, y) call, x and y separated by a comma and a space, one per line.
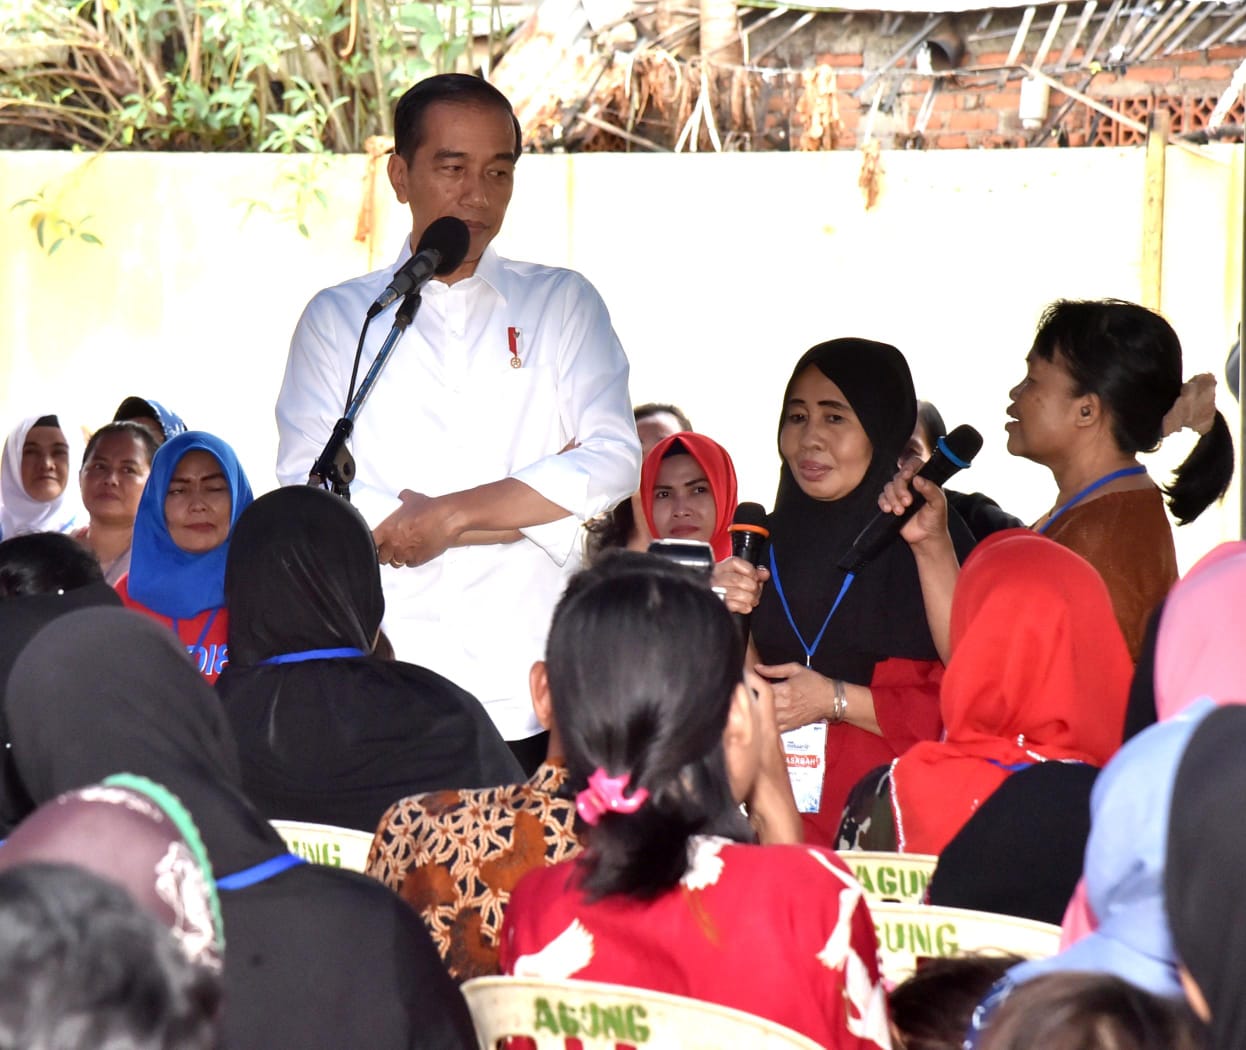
point(657, 408)
point(930, 422)
point(609, 531)
point(675, 448)
point(932, 1009)
point(1091, 1011)
point(125, 426)
point(83, 967)
point(457, 88)
point(46, 421)
point(643, 659)
point(1130, 358)
point(45, 563)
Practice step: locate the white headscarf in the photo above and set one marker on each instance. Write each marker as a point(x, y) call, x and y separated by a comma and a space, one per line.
point(18, 512)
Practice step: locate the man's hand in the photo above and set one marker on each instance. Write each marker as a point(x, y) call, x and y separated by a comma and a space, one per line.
point(418, 531)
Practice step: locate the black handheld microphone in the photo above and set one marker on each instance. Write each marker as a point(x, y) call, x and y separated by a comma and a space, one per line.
point(952, 453)
point(442, 250)
point(749, 531)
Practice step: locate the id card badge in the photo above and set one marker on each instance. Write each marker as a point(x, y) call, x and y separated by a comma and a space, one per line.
point(805, 751)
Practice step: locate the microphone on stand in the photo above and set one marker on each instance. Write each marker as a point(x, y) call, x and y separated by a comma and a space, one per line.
point(749, 531)
point(441, 250)
point(952, 453)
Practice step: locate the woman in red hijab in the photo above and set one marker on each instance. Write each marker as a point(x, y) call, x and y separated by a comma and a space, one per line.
point(688, 491)
point(1039, 672)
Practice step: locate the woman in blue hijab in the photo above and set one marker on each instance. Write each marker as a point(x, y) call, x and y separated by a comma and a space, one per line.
point(195, 494)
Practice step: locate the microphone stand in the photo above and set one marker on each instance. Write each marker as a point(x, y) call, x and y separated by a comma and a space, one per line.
point(334, 469)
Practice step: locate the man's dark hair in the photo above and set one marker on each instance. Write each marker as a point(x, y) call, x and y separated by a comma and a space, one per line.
point(82, 967)
point(657, 408)
point(457, 88)
point(45, 563)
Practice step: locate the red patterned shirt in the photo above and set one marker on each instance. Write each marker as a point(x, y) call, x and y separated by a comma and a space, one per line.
point(781, 932)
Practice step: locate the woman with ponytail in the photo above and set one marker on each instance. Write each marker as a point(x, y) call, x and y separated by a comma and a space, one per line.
point(664, 741)
point(1103, 384)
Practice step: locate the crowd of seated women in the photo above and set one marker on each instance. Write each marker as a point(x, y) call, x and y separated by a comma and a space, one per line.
point(1047, 709)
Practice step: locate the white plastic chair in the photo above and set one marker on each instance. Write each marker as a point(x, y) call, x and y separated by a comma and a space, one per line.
point(544, 1014)
point(908, 932)
point(899, 877)
point(326, 844)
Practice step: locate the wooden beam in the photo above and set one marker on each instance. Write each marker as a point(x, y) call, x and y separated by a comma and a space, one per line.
point(1082, 22)
point(1049, 38)
point(1153, 209)
point(1018, 42)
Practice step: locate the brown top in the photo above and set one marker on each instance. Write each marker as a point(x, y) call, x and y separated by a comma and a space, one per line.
point(455, 856)
point(1127, 538)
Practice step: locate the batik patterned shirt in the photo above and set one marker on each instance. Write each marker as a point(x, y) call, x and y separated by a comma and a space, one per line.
point(456, 856)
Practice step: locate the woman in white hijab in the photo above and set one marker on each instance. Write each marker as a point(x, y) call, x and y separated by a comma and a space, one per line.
point(35, 495)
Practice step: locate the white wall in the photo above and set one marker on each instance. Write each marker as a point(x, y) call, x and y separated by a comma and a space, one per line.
point(719, 272)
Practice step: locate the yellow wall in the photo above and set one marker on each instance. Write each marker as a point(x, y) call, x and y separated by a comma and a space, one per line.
point(718, 270)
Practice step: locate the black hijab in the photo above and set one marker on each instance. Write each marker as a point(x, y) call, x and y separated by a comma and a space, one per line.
point(1206, 867)
point(1021, 853)
point(336, 739)
point(313, 952)
point(103, 691)
point(20, 620)
point(883, 613)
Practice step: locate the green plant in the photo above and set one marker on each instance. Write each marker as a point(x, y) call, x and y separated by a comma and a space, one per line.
point(299, 190)
point(276, 75)
point(52, 229)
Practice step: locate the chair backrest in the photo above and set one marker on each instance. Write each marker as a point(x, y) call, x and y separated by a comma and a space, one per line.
point(326, 844)
point(900, 877)
point(908, 932)
point(537, 1014)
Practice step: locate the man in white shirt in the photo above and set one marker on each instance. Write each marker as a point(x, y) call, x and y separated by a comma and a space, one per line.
point(501, 422)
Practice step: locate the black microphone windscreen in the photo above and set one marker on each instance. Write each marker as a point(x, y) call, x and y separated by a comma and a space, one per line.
point(751, 514)
point(449, 237)
point(952, 453)
point(965, 442)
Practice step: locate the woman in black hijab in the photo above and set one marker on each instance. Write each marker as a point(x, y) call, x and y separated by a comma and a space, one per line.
point(1204, 873)
point(857, 654)
point(328, 732)
point(316, 957)
point(43, 575)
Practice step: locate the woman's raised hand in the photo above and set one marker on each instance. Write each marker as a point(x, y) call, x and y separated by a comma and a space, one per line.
point(739, 583)
point(930, 522)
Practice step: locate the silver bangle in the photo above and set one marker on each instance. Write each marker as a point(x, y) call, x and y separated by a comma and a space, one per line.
point(840, 707)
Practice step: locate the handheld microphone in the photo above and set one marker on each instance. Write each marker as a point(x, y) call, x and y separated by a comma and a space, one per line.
point(749, 531)
point(441, 250)
point(952, 453)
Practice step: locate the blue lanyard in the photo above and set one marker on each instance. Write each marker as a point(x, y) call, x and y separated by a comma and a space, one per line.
point(260, 872)
point(177, 624)
point(787, 611)
point(1094, 486)
point(314, 654)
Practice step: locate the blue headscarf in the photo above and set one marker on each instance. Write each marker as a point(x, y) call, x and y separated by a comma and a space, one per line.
point(170, 422)
point(163, 577)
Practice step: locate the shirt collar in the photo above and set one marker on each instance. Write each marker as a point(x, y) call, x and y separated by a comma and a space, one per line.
point(491, 270)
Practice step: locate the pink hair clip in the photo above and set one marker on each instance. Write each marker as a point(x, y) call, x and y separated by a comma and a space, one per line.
point(604, 794)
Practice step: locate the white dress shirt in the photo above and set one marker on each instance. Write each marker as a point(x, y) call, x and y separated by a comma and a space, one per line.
point(450, 412)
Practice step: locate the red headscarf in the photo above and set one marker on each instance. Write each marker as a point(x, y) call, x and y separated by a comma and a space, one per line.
point(719, 472)
point(1039, 671)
